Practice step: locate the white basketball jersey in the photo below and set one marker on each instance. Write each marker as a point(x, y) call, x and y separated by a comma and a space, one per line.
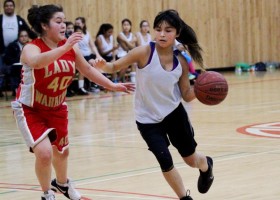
point(157, 90)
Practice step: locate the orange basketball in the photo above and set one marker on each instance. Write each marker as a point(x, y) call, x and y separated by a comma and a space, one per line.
point(211, 88)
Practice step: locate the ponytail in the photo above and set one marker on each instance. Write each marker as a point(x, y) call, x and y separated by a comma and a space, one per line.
point(188, 37)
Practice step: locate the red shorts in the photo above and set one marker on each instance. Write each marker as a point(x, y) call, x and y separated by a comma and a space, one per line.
point(36, 124)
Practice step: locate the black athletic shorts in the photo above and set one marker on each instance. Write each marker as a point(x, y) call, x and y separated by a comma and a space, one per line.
point(175, 128)
point(91, 56)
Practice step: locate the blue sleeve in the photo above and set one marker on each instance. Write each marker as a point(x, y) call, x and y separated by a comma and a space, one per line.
point(186, 56)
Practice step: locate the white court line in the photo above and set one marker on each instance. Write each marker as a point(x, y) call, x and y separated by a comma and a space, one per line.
point(123, 197)
point(274, 111)
point(232, 157)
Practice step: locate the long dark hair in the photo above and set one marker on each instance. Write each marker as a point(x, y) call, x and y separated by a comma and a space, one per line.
point(104, 28)
point(83, 20)
point(38, 15)
point(187, 36)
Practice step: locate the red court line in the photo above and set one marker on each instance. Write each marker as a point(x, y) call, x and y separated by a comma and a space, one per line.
point(22, 187)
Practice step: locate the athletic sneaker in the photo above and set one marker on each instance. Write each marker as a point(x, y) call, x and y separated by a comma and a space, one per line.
point(187, 197)
point(206, 179)
point(67, 189)
point(82, 91)
point(49, 195)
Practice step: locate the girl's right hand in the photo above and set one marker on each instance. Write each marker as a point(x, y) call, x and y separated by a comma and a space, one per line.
point(73, 39)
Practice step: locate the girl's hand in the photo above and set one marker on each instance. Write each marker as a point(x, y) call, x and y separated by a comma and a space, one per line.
point(98, 63)
point(73, 39)
point(124, 87)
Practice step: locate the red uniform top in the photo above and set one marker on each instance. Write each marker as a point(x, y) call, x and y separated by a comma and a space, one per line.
point(46, 88)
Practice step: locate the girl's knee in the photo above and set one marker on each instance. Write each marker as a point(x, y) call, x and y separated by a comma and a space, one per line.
point(44, 156)
point(192, 160)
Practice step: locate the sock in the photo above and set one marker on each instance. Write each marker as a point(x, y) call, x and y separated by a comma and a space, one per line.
point(81, 83)
point(132, 77)
point(62, 184)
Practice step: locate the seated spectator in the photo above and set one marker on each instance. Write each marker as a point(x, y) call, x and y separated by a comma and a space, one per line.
point(69, 28)
point(106, 46)
point(12, 59)
point(90, 52)
point(71, 88)
point(127, 41)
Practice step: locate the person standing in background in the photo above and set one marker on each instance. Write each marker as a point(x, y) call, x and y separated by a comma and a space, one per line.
point(10, 26)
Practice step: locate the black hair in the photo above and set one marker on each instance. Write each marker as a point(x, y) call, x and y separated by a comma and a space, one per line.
point(142, 22)
point(38, 15)
point(76, 28)
point(67, 23)
point(7, 1)
point(187, 36)
point(104, 28)
point(127, 20)
point(21, 30)
point(83, 20)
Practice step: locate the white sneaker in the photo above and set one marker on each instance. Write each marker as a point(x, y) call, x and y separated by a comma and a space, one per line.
point(67, 189)
point(49, 195)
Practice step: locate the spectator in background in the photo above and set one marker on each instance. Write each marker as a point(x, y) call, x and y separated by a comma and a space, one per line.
point(10, 25)
point(105, 44)
point(127, 41)
point(69, 30)
point(143, 36)
point(12, 59)
point(89, 51)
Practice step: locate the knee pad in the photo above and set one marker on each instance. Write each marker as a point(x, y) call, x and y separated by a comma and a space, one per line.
point(165, 160)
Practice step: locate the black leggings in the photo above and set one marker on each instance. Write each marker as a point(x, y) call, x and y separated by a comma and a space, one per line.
point(175, 128)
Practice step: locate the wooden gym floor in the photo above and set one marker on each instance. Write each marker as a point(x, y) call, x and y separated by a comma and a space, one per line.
point(110, 161)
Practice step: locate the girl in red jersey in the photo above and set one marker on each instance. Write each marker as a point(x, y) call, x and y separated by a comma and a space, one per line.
point(40, 110)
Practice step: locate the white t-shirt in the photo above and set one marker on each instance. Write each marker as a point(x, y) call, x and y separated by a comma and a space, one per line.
point(121, 51)
point(84, 45)
point(10, 29)
point(105, 45)
point(142, 40)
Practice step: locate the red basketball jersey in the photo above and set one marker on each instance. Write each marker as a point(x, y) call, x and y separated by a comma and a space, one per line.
point(46, 88)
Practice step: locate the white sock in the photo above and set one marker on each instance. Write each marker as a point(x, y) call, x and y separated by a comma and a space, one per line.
point(132, 77)
point(81, 83)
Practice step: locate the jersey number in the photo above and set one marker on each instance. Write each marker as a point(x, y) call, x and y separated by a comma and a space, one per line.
point(59, 83)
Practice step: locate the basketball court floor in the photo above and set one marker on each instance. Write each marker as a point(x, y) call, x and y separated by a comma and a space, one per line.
point(110, 161)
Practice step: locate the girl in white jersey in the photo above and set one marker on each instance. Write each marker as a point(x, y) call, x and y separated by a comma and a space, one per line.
point(162, 81)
